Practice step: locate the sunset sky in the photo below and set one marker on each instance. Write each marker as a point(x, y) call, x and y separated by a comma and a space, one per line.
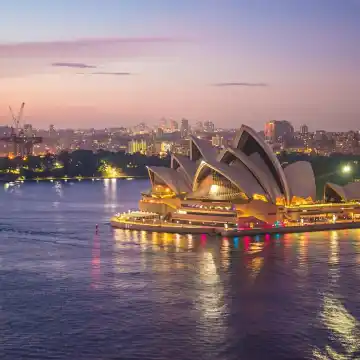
point(98, 63)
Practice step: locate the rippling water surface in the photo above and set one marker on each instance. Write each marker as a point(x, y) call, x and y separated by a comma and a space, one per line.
point(68, 293)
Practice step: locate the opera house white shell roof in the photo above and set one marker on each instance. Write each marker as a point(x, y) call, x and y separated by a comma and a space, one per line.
point(248, 169)
point(336, 193)
point(301, 180)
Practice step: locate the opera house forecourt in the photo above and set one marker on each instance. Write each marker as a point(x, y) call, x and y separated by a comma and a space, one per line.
point(243, 189)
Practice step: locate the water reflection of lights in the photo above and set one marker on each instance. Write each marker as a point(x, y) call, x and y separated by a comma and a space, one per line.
point(126, 238)
point(334, 248)
point(110, 191)
point(236, 242)
point(286, 240)
point(177, 242)
point(211, 281)
point(357, 249)
point(203, 239)
point(167, 239)
point(143, 241)
point(344, 328)
point(155, 241)
point(12, 187)
point(267, 238)
point(95, 262)
point(190, 241)
point(59, 189)
point(225, 253)
point(247, 240)
point(254, 263)
point(210, 301)
point(255, 266)
point(255, 247)
point(143, 248)
point(303, 255)
point(334, 258)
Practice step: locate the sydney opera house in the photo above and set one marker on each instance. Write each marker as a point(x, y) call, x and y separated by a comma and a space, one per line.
point(243, 184)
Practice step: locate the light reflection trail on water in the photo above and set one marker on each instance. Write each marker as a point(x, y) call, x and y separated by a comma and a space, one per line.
point(95, 262)
point(342, 326)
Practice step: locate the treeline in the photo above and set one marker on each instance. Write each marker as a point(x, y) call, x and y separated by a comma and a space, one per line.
point(84, 163)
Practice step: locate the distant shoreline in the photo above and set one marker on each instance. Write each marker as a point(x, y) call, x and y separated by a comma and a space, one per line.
point(76, 178)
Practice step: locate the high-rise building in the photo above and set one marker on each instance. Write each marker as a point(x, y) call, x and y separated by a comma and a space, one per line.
point(304, 129)
point(209, 126)
point(184, 129)
point(160, 132)
point(174, 126)
point(163, 123)
point(199, 126)
point(278, 131)
point(135, 146)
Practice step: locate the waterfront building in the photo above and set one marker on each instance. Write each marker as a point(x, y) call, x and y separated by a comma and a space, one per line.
point(135, 146)
point(242, 184)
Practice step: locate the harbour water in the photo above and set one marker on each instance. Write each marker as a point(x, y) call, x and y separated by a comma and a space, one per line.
point(68, 292)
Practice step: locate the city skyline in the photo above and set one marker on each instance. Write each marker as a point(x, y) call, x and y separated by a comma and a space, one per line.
point(127, 62)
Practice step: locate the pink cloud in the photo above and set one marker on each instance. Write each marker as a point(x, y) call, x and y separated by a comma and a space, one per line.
point(88, 48)
point(21, 59)
point(73, 65)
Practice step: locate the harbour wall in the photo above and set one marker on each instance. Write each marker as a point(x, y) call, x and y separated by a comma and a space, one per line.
point(186, 229)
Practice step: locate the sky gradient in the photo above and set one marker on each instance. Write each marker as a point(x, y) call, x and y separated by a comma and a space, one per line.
point(98, 63)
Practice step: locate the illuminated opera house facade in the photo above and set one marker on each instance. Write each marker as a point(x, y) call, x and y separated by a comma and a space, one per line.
point(244, 183)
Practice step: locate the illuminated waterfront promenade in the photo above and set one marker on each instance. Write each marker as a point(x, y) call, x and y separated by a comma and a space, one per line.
point(151, 223)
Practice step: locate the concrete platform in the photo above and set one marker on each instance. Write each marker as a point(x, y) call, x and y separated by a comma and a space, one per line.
point(291, 229)
point(193, 229)
point(166, 228)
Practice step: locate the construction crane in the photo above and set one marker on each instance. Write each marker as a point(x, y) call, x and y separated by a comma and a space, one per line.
point(17, 119)
point(23, 145)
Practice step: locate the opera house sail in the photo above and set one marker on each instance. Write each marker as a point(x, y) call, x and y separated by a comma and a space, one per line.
point(243, 183)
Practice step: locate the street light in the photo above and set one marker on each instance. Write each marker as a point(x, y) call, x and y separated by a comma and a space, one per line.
point(346, 169)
